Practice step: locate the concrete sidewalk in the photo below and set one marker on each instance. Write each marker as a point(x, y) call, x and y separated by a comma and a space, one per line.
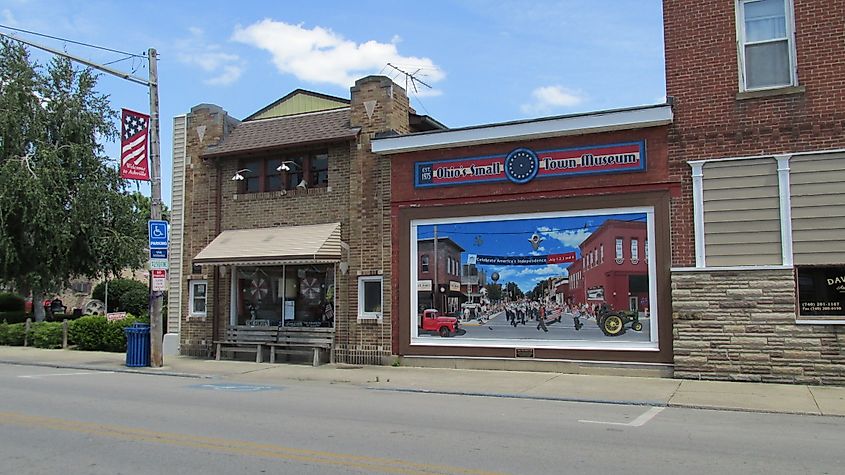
point(755, 397)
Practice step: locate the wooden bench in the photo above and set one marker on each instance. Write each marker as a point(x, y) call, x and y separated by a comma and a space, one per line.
point(317, 341)
point(247, 339)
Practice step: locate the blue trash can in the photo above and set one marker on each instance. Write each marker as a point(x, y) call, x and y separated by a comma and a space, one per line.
point(137, 345)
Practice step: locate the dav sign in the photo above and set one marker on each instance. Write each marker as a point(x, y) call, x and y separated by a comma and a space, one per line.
point(523, 165)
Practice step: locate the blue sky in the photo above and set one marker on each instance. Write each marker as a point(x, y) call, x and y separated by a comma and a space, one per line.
point(558, 235)
point(487, 61)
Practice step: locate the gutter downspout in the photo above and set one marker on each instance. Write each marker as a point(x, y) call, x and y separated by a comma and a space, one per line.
point(215, 327)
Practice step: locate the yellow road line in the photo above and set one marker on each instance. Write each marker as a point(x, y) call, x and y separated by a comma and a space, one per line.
point(231, 446)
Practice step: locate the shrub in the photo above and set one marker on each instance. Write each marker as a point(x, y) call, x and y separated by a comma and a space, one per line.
point(46, 335)
point(136, 301)
point(96, 333)
point(12, 334)
point(17, 316)
point(87, 332)
point(10, 302)
point(125, 295)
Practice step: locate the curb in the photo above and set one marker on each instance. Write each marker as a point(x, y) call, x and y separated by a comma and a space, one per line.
point(607, 401)
point(116, 369)
point(525, 396)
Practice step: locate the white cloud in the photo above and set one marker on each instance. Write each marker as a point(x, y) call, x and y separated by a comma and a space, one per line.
point(569, 238)
point(320, 55)
point(8, 17)
point(549, 98)
point(223, 68)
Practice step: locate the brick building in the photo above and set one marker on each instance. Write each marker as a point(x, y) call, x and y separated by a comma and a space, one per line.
point(439, 275)
point(613, 267)
point(758, 144)
point(283, 218)
point(502, 185)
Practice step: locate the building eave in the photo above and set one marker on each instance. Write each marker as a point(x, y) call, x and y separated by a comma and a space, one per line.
point(575, 124)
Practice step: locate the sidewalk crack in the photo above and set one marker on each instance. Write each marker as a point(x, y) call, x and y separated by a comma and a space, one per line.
point(812, 395)
point(541, 383)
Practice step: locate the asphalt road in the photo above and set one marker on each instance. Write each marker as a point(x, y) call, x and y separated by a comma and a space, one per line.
point(58, 421)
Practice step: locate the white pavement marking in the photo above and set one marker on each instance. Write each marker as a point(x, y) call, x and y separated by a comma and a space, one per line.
point(638, 422)
point(37, 376)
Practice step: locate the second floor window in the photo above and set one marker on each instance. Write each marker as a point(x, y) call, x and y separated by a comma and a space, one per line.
point(310, 170)
point(766, 49)
point(424, 264)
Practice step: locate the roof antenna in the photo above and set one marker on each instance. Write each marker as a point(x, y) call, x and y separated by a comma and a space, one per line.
point(410, 77)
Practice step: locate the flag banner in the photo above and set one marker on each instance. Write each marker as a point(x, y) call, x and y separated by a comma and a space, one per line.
point(134, 128)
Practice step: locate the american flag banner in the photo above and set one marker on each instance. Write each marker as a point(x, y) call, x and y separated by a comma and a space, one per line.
point(133, 145)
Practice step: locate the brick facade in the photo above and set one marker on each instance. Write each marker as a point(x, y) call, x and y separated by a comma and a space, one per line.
point(712, 120)
point(741, 324)
point(357, 196)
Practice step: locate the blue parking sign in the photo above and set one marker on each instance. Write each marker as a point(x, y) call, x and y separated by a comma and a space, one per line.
point(158, 234)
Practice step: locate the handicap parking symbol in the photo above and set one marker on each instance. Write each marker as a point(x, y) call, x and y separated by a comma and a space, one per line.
point(158, 234)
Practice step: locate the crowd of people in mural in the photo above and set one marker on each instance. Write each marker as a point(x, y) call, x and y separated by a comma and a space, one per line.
point(539, 313)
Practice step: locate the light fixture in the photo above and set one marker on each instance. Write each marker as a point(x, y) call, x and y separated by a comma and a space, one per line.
point(302, 185)
point(238, 176)
point(284, 167)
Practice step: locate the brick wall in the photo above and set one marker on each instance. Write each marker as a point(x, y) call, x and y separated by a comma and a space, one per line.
point(711, 121)
point(357, 196)
point(740, 325)
point(200, 218)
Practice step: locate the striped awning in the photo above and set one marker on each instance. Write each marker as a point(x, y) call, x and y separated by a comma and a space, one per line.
point(270, 246)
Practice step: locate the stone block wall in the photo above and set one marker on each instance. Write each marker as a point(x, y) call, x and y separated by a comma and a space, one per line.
point(740, 325)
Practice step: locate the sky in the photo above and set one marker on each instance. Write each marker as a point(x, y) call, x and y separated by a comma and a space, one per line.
point(557, 235)
point(486, 61)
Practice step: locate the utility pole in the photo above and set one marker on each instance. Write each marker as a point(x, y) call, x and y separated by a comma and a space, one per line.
point(156, 330)
point(156, 334)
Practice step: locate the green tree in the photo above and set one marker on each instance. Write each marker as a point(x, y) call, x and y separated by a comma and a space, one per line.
point(494, 292)
point(513, 291)
point(64, 211)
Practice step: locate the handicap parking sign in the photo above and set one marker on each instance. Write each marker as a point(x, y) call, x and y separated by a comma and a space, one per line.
point(158, 234)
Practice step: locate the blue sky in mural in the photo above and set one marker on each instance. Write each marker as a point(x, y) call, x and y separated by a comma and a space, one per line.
point(512, 238)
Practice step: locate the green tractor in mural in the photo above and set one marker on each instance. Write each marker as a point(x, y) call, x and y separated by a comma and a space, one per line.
point(616, 322)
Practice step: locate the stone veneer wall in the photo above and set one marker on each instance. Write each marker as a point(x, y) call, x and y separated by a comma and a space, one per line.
point(740, 325)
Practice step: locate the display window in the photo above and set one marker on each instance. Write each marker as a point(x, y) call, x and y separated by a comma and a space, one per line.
point(291, 295)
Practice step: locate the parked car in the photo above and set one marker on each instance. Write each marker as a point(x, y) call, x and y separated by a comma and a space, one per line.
point(432, 323)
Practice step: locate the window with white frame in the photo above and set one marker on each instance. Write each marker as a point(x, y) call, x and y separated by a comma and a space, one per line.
point(645, 250)
point(766, 44)
point(424, 263)
point(619, 245)
point(601, 254)
point(370, 297)
point(198, 290)
point(635, 250)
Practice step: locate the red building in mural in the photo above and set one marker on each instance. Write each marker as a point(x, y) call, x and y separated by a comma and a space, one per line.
point(439, 274)
point(613, 267)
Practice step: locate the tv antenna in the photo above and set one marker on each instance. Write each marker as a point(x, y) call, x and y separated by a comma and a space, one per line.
point(411, 77)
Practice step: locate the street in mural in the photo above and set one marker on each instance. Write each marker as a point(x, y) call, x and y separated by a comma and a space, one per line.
point(570, 277)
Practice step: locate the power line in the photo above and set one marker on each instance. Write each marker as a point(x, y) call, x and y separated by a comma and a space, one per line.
point(72, 41)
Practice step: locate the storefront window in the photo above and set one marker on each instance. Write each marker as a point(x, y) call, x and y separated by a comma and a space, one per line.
point(607, 305)
point(300, 295)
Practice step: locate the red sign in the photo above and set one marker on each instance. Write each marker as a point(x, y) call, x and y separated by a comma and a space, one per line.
point(523, 165)
point(159, 273)
point(134, 128)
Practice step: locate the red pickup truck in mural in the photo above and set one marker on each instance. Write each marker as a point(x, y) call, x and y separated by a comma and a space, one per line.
point(432, 323)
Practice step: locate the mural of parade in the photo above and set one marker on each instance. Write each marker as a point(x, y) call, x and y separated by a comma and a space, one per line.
point(568, 280)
